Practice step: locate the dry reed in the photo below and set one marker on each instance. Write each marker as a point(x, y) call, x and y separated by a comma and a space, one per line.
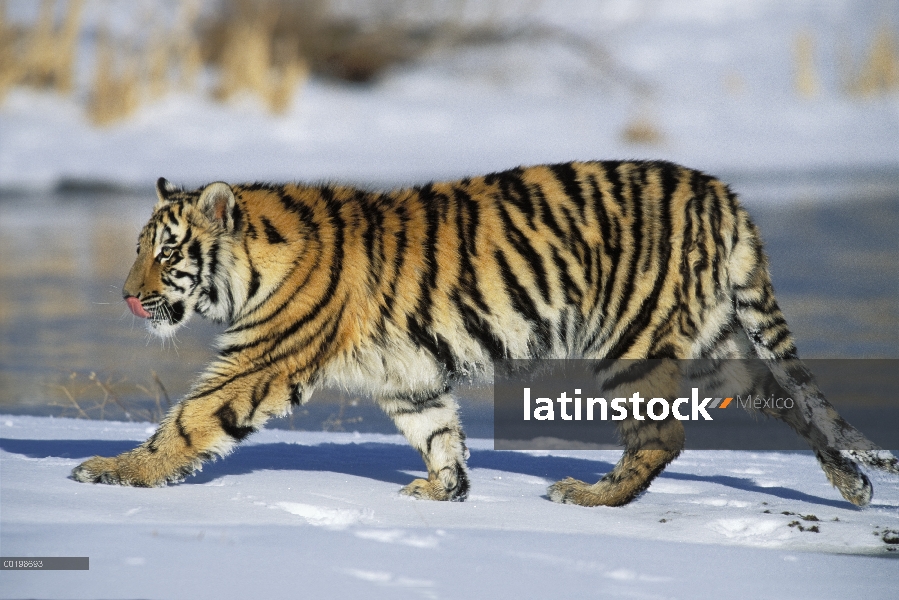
point(95, 397)
point(264, 48)
point(805, 78)
point(879, 71)
point(115, 93)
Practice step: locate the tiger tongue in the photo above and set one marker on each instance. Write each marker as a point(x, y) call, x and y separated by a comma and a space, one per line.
point(136, 308)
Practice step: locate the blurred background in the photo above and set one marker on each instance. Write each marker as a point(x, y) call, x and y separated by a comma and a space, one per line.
point(796, 104)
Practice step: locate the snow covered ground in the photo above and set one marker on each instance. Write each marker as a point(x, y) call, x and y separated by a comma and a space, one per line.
point(303, 514)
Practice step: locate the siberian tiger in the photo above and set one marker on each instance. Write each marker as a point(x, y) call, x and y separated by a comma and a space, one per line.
point(400, 294)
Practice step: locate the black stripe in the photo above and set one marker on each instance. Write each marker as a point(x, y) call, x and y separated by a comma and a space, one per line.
point(255, 280)
point(568, 177)
point(514, 190)
point(434, 343)
point(335, 274)
point(179, 427)
point(698, 186)
point(324, 337)
point(179, 274)
point(523, 247)
point(638, 370)
point(549, 218)
point(201, 392)
point(304, 212)
point(271, 232)
point(524, 305)
point(466, 228)
point(650, 302)
point(469, 211)
point(715, 218)
point(573, 292)
point(399, 259)
point(613, 176)
point(300, 261)
point(372, 237)
point(430, 201)
point(433, 435)
point(624, 294)
point(420, 401)
point(195, 252)
point(237, 216)
point(228, 422)
point(611, 240)
point(481, 331)
point(260, 393)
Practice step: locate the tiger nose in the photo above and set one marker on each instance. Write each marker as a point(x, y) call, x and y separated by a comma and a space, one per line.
point(137, 309)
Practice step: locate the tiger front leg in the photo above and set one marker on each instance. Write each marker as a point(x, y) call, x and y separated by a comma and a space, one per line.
point(431, 424)
point(208, 423)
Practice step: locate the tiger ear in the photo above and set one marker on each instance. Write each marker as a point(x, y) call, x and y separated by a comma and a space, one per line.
point(217, 203)
point(164, 189)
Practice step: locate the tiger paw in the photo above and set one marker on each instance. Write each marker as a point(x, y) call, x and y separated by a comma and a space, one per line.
point(434, 489)
point(113, 471)
point(426, 489)
point(573, 491)
point(854, 486)
point(98, 469)
point(847, 477)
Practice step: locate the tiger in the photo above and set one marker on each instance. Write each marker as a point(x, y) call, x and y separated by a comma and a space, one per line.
point(400, 295)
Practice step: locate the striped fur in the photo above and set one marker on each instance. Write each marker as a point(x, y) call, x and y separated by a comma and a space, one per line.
point(399, 295)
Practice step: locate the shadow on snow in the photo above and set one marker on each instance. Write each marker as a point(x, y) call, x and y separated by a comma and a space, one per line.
point(385, 462)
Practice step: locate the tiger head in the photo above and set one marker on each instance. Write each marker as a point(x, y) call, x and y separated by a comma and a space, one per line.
point(184, 258)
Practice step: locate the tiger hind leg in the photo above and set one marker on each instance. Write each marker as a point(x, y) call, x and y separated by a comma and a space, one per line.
point(431, 424)
point(838, 446)
point(649, 445)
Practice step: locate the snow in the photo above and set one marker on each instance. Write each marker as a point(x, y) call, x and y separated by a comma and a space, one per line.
point(308, 513)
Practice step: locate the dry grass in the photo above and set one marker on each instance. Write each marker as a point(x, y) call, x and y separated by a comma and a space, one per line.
point(268, 48)
point(805, 78)
point(251, 58)
point(878, 72)
point(42, 56)
point(130, 71)
point(263, 48)
point(92, 397)
point(116, 89)
point(339, 420)
point(642, 131)
point(12, 68)
point(51, 48)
